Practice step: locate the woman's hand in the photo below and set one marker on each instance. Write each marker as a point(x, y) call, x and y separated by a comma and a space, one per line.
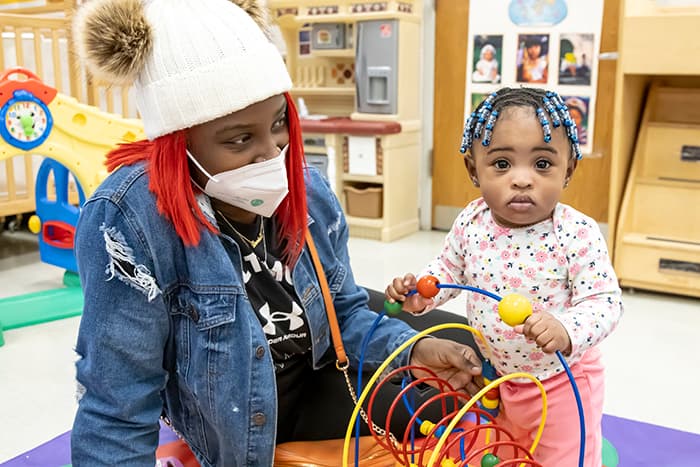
point(455, 363)
point(547, 331)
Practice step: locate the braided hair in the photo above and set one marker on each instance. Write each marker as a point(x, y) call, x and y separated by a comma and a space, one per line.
point(549, 109)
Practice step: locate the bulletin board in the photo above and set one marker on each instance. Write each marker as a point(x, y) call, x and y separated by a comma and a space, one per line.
point(551, 44)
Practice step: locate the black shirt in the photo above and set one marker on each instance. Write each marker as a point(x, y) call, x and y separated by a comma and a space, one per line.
point(270, 290)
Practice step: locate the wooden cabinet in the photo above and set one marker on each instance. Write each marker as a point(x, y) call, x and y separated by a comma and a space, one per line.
point(328, 60)
point(382, 206)
point(655, 177)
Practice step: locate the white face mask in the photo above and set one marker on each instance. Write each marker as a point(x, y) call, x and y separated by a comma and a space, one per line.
point(259, 187)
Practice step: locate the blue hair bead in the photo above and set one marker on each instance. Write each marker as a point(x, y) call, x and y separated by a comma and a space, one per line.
point(477, 130)
point(556, 121)
point(490, 123)
point(463, 145)
point(479, 125)
point(492, 120)
point(470, 120)
point(552, 113)
point(545, 125)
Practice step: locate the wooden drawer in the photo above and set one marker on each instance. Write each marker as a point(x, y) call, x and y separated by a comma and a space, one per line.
point(665, 209)
point(672, 267)
point(672, 152)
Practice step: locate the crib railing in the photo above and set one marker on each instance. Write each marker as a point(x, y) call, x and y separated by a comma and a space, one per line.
point(39, 39)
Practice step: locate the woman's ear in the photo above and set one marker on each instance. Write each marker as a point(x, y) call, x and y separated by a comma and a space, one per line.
point(471, 168)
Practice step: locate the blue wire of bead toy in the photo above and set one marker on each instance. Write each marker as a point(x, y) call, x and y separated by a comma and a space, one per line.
point(577, 395)
point(360, 365)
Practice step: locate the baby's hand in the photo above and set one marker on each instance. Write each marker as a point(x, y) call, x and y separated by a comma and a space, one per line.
point(399, 288)
point(547, 331)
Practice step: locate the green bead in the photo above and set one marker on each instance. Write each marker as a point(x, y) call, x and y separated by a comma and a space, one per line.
point(393, 309)
point(489, 460)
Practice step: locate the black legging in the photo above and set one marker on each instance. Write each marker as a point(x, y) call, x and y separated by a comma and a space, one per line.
point(325, 406)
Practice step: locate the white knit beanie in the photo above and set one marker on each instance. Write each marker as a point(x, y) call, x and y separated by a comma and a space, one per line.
point(190, 61)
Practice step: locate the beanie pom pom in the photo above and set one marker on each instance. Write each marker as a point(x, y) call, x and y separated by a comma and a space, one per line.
point(256, 11)
point(113, 38)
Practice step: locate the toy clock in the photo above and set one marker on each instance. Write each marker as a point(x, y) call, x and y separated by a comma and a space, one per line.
point(25, 118)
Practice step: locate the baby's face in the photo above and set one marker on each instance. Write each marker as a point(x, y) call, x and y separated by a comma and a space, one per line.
point(488, 55)
point(520, 176)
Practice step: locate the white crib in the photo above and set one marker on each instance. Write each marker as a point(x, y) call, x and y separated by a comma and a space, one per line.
point(34, 34)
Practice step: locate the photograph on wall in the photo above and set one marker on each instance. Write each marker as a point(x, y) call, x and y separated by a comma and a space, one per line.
point(532, 59)
point(488, 54)
point(549, 44)
point(575, 53)
point(477, 97)
point(578, 108)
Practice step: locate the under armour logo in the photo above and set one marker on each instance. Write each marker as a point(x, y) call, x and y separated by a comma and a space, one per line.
point(295, 322)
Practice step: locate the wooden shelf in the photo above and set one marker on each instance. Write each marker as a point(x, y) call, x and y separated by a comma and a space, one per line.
point(354, 17)
point(667, 182)
point(657, 245)
point(316, 74)
point(660, 264)
point(315, 149)
point(659, 41)
point(332, 53)
point(661, 242)
point(324, 91)
point(365, 222)
point(378, 179)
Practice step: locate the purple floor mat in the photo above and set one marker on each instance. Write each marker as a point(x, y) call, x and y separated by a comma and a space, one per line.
point(638, 445)
point(56, 453)
point(642, 444)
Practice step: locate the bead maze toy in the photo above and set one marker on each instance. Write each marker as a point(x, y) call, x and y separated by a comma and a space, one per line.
point(468, 435)
point(73, 138)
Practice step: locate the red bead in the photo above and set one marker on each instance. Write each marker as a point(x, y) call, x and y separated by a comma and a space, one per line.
point(493, 394)
point(427, 286)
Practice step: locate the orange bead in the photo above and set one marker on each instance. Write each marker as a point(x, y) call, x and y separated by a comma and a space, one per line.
point(427, 286)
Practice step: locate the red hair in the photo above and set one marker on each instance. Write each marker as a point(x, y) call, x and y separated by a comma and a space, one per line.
point(169, 174)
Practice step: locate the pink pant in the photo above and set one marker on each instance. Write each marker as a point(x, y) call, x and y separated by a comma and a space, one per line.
point(521, 409)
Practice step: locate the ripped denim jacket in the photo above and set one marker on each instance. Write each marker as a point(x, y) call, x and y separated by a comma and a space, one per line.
point(143, 288)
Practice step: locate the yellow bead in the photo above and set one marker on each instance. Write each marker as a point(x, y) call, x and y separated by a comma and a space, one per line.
point(34, 224)
point(490, 403)
point(514, 309)
point(425, 427)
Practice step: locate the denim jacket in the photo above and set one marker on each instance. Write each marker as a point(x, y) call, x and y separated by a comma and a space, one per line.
point(153, 304)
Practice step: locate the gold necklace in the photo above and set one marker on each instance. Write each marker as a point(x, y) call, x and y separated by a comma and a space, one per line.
point(252, 243)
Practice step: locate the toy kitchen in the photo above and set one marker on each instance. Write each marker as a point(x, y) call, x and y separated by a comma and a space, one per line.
point(356, 72)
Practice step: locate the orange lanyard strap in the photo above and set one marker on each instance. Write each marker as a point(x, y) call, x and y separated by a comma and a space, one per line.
point(342, 358)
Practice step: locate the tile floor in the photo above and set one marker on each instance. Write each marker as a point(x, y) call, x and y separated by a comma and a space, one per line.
point(652, 374)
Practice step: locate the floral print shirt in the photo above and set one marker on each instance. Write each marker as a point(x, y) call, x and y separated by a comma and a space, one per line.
point(560, 264)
